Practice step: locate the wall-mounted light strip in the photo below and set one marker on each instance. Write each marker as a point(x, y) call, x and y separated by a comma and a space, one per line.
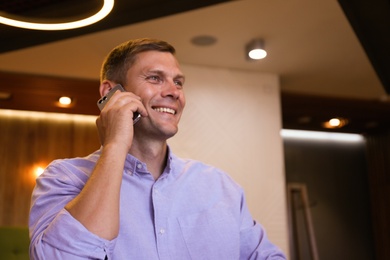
point(321, 136)
point(106, 9)
point(47, 115)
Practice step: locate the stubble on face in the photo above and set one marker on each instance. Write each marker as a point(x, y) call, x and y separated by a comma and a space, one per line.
point(157, 79)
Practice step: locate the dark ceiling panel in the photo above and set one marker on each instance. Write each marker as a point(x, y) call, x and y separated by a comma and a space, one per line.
point(370, 20)
point(125, 12)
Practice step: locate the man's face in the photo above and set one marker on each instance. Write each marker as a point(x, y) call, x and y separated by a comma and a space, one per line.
point(156, 77)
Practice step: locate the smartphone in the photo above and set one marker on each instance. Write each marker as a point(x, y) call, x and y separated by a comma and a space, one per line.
point(103, 100)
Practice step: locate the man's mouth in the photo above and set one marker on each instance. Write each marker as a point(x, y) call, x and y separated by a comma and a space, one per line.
point(164, 110)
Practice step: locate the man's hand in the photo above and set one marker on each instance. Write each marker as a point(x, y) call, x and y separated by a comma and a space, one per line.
point(115, 123)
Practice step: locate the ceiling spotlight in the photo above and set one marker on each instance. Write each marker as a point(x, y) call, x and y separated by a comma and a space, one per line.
point(23, 23)
point(255, 49)
point(335, 123)
point(65, 101)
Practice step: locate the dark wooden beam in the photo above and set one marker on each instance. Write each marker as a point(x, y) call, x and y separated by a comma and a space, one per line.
point(41, 93)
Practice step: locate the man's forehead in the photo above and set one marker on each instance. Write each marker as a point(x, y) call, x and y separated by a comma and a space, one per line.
point(151, 61)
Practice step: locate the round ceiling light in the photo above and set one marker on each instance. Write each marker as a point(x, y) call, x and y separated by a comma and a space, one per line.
point(104, 11)
point(255, 49)
point(66, 101)
point(336, 122)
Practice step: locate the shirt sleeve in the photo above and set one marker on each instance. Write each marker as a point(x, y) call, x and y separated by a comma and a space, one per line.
point(254, 243)
point(54, 233)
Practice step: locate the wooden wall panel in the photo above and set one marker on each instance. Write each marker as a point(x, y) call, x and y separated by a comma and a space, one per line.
point(378, 151)
point(31, 139)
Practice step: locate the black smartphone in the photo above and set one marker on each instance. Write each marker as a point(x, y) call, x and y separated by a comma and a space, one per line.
point(103, 100)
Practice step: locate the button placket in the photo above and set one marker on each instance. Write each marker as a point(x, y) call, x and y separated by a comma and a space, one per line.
point(160, 218)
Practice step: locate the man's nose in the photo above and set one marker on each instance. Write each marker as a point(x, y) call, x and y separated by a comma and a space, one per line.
point(171, 89)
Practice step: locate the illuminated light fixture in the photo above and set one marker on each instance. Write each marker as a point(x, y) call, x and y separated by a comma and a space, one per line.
point(34, 115)
point(335, 123)
point(106, 9)
point(255, 49)
point(321, 136)
point(38, 171)
point(66, 101)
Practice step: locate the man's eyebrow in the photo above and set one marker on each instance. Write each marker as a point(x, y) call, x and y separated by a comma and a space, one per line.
point(180, 76)
point(161, 72)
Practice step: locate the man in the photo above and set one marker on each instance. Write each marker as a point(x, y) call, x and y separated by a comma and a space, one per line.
point(133, 198)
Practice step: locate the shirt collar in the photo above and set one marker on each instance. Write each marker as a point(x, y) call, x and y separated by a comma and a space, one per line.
point(134, 165)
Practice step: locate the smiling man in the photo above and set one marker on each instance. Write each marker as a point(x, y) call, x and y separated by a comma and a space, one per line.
point(133, 198)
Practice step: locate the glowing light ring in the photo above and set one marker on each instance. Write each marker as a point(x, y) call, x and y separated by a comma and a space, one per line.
point(106, 9)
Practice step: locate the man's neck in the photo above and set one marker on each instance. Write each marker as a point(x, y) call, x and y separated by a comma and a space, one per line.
point(154, 154)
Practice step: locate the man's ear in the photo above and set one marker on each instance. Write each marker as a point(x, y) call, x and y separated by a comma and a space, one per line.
point(105, 87)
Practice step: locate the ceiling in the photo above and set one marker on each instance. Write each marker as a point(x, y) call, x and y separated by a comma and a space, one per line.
point(335, 49)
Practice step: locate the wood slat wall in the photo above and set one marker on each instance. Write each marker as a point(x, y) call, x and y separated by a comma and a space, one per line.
point(378, 152)
point(28, 141)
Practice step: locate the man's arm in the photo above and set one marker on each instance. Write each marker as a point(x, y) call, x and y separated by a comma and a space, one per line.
point(253, 238)
point(54, 233)
point(97, 205)
point(77, 204)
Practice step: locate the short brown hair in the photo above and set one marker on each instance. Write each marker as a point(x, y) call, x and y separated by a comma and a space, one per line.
point(120, 59)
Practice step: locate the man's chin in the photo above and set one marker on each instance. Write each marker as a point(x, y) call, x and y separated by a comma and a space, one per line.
point(162, 133)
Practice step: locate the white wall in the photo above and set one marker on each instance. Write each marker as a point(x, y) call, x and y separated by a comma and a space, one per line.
point(232, 121)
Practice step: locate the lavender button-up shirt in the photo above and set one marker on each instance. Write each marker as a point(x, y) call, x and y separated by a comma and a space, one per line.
point(193, 211)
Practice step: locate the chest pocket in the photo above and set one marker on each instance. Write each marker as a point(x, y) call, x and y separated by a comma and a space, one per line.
point(213, 234)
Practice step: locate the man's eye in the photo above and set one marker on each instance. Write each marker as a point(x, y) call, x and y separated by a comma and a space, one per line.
point(179, 83)
point(153, 78)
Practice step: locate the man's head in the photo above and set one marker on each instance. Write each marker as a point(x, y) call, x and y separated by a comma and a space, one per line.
point(121, 58)
point(148, 69)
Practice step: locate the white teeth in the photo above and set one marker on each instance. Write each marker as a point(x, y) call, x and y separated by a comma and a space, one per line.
point(165, 110)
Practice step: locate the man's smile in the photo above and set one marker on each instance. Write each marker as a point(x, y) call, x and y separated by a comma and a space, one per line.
point(165, 110)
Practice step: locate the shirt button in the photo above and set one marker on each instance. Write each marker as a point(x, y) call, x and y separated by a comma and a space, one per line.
point(139, 166)
point(162, 231)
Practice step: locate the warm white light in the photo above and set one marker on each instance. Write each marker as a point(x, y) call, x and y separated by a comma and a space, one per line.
point(257, 54)
point(321, 136)
point(334, 122)
point(255, 49)
point(32, 115)
point(38, 171)
point(106, 9)
point(65, 100)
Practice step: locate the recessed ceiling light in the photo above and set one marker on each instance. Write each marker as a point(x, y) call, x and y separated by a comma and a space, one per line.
point(106, 9)
point(336, 122)
point(204, 40)
point(65, 100)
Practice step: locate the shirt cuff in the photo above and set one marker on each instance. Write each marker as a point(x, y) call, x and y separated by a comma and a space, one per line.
point(67, 234)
